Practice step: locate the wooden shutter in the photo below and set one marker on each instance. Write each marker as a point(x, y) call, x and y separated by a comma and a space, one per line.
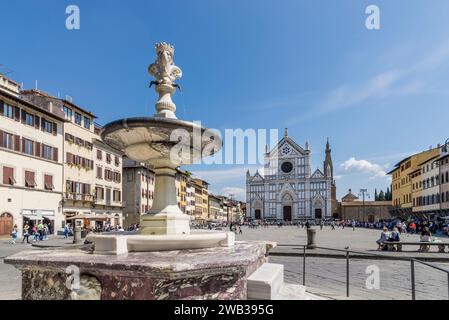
point(37, 149)
point(36, 122)
point(23, 116)
point(16, 143)
point(23, 145)
point(42, 124)
point(2, 107)
point(1, 137)
point(55, 128)
point(17, 113)
point(55, 154)
point(8, 175)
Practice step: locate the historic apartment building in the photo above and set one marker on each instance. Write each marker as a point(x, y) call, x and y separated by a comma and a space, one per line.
point(407, 182)
point(31, 161)
point(201, 212)
point(289, 190)
point(84, 169)
point(108, 183)
point(138, 186)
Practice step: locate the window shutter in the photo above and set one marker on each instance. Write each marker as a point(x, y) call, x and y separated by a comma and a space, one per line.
point(55, 128)
point(37, 149)
point(36, 122)
point(23, 145)
point(55, 154)
point(1, 137)
point(23, 116)
point(2, 108)
point(16, 143)
point(42, 124)
point(17, 113)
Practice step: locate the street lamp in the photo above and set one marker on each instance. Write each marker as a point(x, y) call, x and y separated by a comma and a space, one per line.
point(364, 193)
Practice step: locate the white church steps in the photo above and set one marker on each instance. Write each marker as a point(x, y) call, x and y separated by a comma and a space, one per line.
point(267, 283)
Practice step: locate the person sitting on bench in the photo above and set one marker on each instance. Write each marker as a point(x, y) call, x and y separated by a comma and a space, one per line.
point(394, 237)
point(383, 238)
point(426, 236)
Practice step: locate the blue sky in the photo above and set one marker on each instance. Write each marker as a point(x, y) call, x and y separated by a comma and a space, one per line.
point(311, 66)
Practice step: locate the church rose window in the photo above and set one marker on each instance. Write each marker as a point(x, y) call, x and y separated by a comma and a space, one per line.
point(287, 167)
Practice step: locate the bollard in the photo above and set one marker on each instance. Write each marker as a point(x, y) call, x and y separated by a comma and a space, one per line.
point(77, 235)
point(311, 238)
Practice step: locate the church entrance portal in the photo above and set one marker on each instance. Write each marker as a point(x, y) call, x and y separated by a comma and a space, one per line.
point(287, 213)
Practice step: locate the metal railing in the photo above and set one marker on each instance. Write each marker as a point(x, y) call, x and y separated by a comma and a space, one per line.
point(347, 257)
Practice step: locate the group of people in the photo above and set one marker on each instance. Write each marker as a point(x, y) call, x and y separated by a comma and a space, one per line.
point(395, 236)
point(38, 231)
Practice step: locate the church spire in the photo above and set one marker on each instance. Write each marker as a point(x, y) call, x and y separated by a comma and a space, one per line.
point(328, 166)
point(286, 132)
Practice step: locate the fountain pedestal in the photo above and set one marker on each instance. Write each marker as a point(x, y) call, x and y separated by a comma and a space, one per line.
point(165, 217)
point(211, 273)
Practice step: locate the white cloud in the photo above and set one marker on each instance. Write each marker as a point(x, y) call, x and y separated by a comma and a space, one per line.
point(364, 166)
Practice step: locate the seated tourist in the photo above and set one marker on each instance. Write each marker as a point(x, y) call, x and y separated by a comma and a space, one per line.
point(426, 236)
point(383, 238)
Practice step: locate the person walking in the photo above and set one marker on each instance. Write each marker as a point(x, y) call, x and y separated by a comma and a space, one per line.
point(40, 230)
point(35, 233)
point(26, 233)
point(14, 234)
point(321, 225)
point(66, 231)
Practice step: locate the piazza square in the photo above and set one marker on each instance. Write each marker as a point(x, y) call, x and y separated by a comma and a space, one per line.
point(227, 159)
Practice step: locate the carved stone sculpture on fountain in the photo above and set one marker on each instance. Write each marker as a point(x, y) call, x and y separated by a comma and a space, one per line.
point(166, 73)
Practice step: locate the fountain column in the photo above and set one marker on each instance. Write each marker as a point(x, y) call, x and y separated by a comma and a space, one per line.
point(165, 217)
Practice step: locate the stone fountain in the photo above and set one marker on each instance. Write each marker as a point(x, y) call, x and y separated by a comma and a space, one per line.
point(166, 260)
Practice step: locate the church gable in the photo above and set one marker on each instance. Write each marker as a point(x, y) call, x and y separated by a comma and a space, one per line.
point(287, 147)
point(317, 174)
point(257, 178)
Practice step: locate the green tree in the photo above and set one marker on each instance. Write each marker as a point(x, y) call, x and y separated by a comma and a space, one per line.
point(381, 196)
point(375, 195)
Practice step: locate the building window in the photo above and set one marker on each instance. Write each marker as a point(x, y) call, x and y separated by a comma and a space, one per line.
point(117, 161)
point(99, 155)
point(78, 118)
point(68, 113)
point(8, 176)
point(7, 140)
point(99, 193)
point(29, 119)
point(29, 179)
point(47, 126)
point(108, 158)
point(47, 152)
point(8, 111)
point(48, 182)
point(87, 123)
point(99, 173)
point(28, 147)
point(117, 196)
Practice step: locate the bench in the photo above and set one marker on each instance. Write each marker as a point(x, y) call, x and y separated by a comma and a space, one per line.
point(397, 245)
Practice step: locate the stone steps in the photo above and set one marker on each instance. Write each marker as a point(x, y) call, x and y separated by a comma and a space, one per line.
point(267, 283)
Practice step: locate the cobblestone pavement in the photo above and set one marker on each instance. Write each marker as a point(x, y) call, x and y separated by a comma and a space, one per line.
point(324, 276)
point(327, 277)
point(359, 239)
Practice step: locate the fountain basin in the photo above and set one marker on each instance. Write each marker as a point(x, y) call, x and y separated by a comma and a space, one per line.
point(122, 244)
